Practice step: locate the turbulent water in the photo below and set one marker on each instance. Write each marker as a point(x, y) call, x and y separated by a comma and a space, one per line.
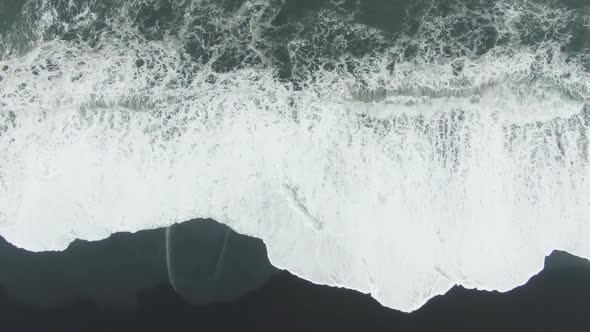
point(394, 147)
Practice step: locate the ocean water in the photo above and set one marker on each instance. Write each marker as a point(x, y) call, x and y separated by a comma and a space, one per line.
point(397, 148)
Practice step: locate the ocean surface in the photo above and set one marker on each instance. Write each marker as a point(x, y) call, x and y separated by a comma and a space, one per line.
point(397, 150)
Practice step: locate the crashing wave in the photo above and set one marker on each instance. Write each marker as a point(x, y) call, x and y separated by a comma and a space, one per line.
point(397, 163)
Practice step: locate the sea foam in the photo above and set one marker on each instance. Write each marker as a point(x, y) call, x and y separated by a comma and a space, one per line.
point(454, 174)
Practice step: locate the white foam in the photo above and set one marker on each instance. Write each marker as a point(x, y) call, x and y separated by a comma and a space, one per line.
point(402, 198)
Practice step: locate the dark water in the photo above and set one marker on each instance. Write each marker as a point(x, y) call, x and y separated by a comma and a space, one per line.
point(120, 284)
point(233, 34)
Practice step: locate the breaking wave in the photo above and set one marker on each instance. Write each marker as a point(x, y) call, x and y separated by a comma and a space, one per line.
point(444, 144)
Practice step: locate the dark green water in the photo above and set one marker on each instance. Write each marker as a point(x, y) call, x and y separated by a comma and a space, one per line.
point(296, 37)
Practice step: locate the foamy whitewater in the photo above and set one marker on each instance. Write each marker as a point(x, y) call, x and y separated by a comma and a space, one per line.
point(453, 151)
